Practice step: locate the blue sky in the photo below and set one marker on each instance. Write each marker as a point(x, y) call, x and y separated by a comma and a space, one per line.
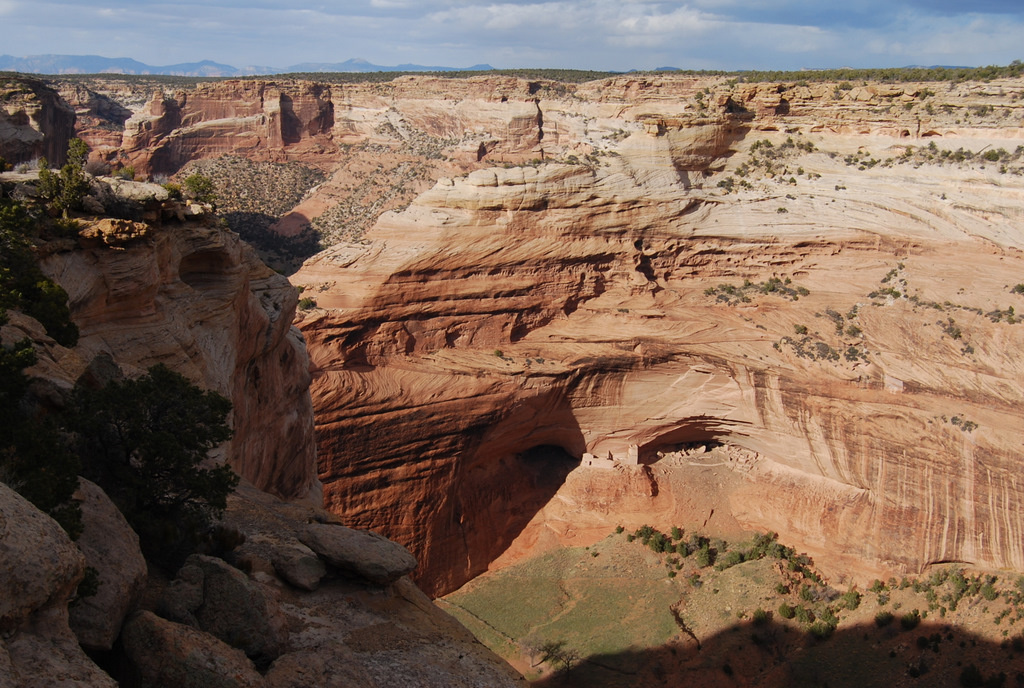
point(579, 34)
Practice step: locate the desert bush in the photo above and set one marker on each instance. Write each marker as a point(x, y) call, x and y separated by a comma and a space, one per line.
point(34, 461)
point(821, 630)
point(143, 441)
point(64, 191)
point(786, 611)
point(307, 303)
point(729, 560)
point(804, 615)
point(23, 286)
point(761, 617)
point(200, 188)
point(851, 599)
point(883, 619)
point(705, 556)
point(910, 620)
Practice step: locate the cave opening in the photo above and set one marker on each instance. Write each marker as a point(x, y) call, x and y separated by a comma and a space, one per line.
point(206, 270)
point(710, 433)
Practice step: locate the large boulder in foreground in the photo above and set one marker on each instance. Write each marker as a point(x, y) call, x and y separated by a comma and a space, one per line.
point(112, 548)
point(40, 569)
point(359, 552)
point(165, 653)
point(211, 595)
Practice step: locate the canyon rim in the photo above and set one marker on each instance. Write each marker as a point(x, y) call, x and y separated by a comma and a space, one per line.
point(539, 302)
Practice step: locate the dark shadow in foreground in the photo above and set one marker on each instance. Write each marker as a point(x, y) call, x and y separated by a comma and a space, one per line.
point(777, 655)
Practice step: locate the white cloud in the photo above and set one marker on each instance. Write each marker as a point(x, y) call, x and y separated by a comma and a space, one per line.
point(585, 34)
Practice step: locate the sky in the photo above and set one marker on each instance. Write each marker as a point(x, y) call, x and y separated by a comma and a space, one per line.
point(616, 35)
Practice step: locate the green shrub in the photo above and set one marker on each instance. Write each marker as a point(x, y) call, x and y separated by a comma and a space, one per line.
point(761, 617)
point(307, 303)
point(971, 677)
point(23, 286)
point(34, 461)
point(822, 630)
point(804, 615)
point(65, 190)
point(786, 611)
point(910, 620)
point(173, 190)
point(143, 441)
point(883, 619)
point(851, 599)
point(200, 188)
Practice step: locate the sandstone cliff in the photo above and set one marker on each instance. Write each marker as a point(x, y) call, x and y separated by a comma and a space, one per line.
point(294, 599)
point(834, 305)
point(197, 299)
point(597, 280)
point(34, 121)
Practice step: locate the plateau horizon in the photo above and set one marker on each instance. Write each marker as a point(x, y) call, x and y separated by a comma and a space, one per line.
point(578, 34)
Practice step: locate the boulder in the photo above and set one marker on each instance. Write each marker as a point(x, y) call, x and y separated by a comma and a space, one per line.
point(39, 565)
point(112, 548)
point(164, 653)
point(337, 668)
point(39, 571)
point(363, 553)
point(299, 566)
point(235, 609)
point(183, 596)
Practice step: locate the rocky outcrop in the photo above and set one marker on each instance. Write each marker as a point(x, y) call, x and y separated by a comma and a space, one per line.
point(110, 547)
point(221, 600)
point(197, 299)
point(165, 653)
point(797, 299)
point(40, 569)
point(364, 554)
point(34, 121)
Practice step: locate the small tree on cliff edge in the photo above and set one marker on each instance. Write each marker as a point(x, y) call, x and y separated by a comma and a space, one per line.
point(143, 441)
point(200, 188)
point(65, 190)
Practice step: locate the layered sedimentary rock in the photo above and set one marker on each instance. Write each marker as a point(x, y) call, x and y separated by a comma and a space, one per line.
point(35, 121)
point(829, 306)
point(515, 318)
point(197, 299)
point(270, 610)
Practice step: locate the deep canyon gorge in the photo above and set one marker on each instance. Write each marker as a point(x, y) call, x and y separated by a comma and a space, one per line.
point(533, 295)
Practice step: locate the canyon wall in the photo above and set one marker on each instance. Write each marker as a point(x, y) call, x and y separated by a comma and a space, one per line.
point(195, 298)
point(828, 305)
point(35, 122)
point(817, 276)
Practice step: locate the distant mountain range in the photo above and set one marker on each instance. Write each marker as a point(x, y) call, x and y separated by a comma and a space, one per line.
point(94, 64)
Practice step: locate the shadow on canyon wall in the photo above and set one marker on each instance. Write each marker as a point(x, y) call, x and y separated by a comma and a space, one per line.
point(774, 655)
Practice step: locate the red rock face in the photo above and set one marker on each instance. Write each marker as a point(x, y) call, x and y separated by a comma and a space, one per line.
point(510, 311)
point(35, 122)
point(578, 306)
point(198, 300)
